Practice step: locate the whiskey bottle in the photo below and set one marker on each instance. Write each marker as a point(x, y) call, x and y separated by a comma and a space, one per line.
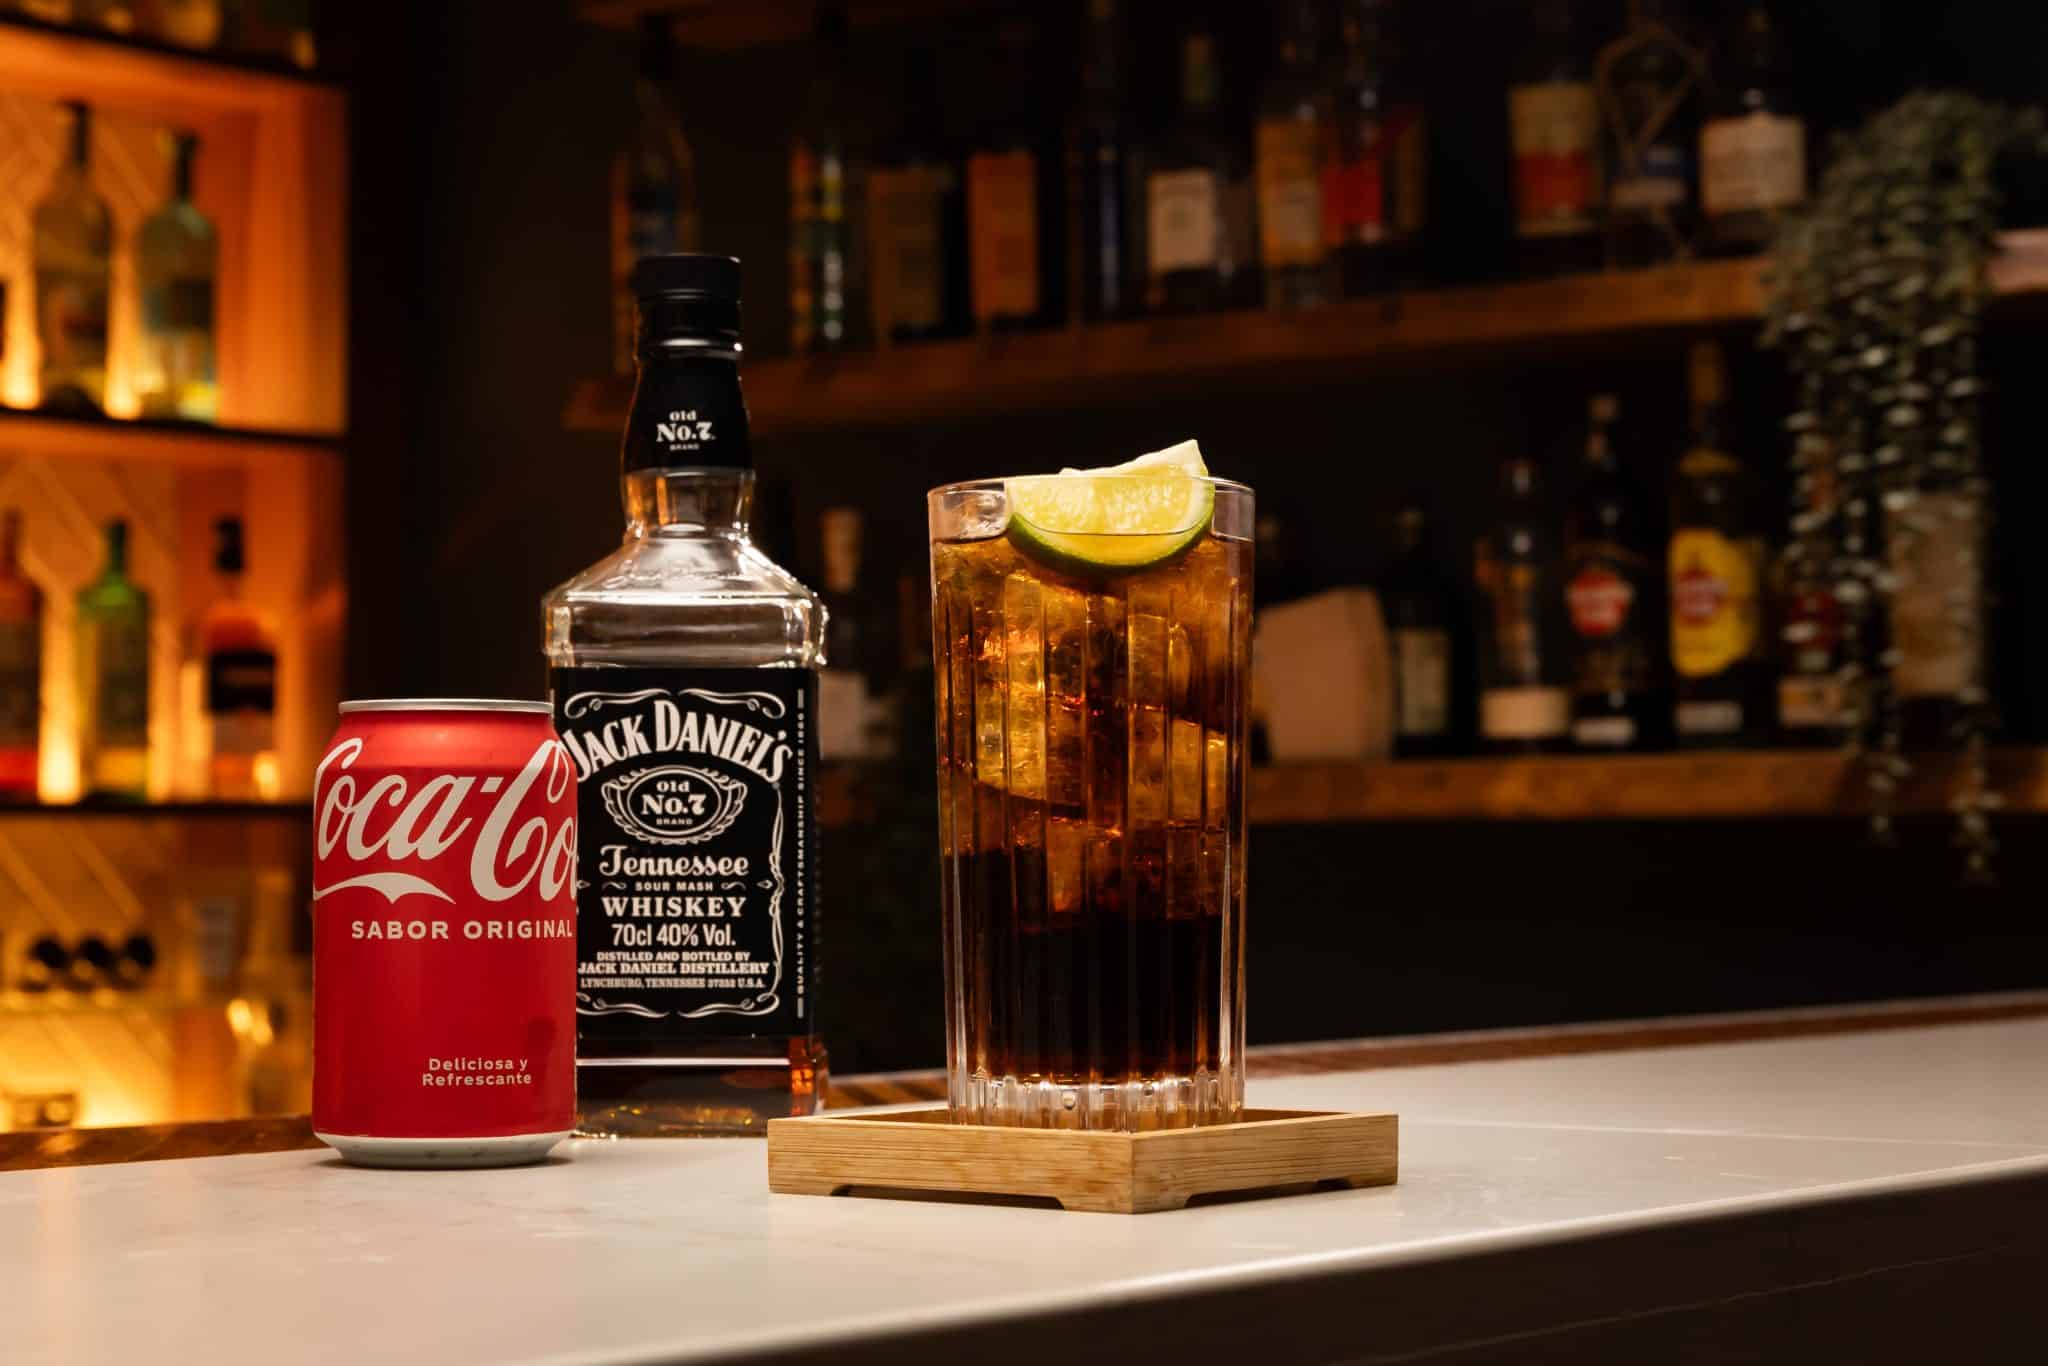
point(73, 252)
point(1523, 703)
point(654, 180)
point(1107, 251)
point(915, 221)
point(684, 674)
point(238, 653)
point(844, 700)
point(176, 260)
point(1293, 127)
point(1753, 142)
point(1651, 82)
point(825, 310)
point(1813, 703)
point(1187, 242)
point(1713, 567)
point(113, 678)
point(1421, 612)
point(1010, 242)
point(1375, 178)
point(21, 667)
point(1610, 595)
point(1554, 131)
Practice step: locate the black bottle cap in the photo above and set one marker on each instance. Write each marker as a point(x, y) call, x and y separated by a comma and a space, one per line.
point(688, 299)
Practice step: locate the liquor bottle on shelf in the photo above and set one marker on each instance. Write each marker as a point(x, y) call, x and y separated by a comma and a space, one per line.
point(917, 277)
point(1554, 128)
point(176, 259)
point(1611, 595)
point(1010, 247)
point(1936, 549)
point(1294, 126)
point(73, 260)
point(21, 667)
point(136, 962)
point(1421, 609)
point(1523, 703)
point(845, 701)
point(1188, 248)
point(1103, 179)
point(1713, 566)
point(654, 180)
point(44, 965)
point(1375, 176)
point(1651, 83)
point(238, 657)
point(113, 678)
point(1813, 702)
point(692, 639)
point(1753, 141)
point(188, 23)
point(826, 312)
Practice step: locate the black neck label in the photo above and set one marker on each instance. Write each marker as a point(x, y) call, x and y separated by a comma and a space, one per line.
point(688, 412)
point(695, 897)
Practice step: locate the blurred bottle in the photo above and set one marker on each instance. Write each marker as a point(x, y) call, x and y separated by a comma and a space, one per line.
point(1651, 83)
point(113, 678)
point(176, 260)
point(1375, 176)
point(916, 221)
point(1611, 595)
point(1293, 129)
point(73, 253)
point(1554, 127)
point(115, 16)
point(1813, 700)
point(1715, 561)
point(825, 308)
point(1104, 180)
point(21, 667)
point(654, 181)
point(188, 23)
point(1421, 607)
point(283, 29)
point(846, 702)
point(1935, 545)
point(45, 965)
point(1523, 703)
point(91, 966)
point(1188, 247)
point(1753, 143)
point(1010, 238)
point(238, 653)
point(135, 964)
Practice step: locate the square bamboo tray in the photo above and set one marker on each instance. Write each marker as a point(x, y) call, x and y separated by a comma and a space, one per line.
point(1269, 1152)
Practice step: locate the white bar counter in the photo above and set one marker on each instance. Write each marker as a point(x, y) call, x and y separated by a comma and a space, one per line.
point(1868, 1196)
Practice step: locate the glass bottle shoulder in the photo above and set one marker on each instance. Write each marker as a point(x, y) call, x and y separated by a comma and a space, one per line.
point(670, 597)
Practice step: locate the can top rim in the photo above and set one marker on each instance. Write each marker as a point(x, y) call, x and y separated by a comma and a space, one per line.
point(500, 704)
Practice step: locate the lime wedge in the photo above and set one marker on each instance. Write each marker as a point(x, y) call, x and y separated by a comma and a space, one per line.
point(1124, 517)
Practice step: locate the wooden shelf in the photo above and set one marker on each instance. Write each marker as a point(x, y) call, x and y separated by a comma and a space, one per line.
point(1731, 785)
point(29, 432)
point(54, 1002)
point(1137, 361)
point(185, 68)
point(750, 23)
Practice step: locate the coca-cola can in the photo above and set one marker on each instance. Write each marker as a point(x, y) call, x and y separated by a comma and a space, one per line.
point(444, 934)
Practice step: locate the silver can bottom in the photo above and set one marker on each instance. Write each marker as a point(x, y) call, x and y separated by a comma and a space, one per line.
point(510, 1150)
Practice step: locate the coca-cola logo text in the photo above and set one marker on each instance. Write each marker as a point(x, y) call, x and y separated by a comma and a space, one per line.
point(504, 861)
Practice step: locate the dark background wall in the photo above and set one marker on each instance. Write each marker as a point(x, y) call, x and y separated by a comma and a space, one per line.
point(484, 138)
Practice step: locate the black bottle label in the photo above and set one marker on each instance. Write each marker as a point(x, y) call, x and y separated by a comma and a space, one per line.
point(688, 413)
point(696, 896)
point(241, 681)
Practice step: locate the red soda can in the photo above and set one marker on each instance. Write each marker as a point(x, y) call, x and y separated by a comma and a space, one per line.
point(444, 934)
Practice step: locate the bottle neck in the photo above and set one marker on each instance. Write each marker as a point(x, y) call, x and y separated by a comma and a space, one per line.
point(688, 424)
point(688, 502)
point(181, 174)
point(81, 140)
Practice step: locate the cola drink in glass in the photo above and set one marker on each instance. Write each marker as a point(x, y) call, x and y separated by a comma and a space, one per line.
point(444, 934)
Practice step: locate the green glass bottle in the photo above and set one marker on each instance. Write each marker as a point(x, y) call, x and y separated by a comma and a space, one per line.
point(176, 259)
point(113, 678)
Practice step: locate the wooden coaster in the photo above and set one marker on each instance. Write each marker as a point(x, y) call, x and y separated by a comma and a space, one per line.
point(1271, 1152)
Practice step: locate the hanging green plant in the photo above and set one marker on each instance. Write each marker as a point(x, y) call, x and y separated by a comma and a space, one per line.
point(1877, 293)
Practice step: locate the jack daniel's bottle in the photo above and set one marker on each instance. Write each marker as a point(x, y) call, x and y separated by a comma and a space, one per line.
point(683, 669)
